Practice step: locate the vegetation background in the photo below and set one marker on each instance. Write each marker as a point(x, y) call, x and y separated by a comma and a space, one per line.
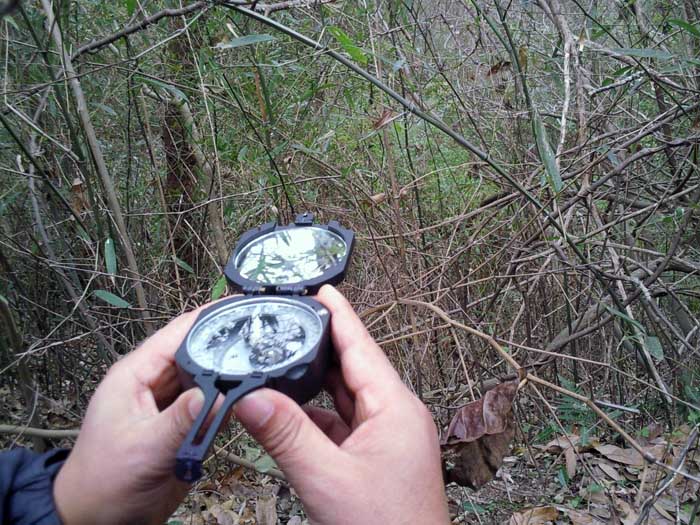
point(522, 177)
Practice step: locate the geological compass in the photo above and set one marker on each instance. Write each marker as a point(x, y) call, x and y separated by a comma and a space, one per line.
point(272, 335)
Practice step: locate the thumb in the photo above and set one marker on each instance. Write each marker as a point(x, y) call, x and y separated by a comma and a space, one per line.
point(298, 446)
point(176, 420)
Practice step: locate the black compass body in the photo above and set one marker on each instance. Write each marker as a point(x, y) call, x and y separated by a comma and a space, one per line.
point(271, 336)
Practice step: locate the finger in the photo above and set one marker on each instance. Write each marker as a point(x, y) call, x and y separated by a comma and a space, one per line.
point(342, 398)
point(172, 425)
point(330, 423)
point(153, 362)
point(363, 363)
point(298, 446)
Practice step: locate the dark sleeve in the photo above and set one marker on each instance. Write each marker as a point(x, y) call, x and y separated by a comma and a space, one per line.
point(26, 487)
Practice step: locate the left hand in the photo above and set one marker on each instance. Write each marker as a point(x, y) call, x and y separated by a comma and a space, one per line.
point(121, 469)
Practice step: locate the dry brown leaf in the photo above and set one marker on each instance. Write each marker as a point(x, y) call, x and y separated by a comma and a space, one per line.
point(498, 66)
point(385, 119)
point(479, 437)
point(79, 201)
point(628, 516)
point(488, 415)
point(378, 198)
point(534, 516)
point(223, 516)
point(570, 456)
point(626, 456)
point(266, 510)
point(610, 471)
point(561, 443)
point(581, 518)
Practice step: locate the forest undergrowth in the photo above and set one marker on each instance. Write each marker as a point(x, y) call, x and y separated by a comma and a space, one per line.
point(523, 182)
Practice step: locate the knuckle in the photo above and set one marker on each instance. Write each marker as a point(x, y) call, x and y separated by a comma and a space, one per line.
point(283, 438)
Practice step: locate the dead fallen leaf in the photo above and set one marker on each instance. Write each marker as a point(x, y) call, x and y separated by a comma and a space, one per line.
point(385, 119)
point(581, 518)
point(488, 415)
point(266, 510)
point(610, 471)
point(378, 198)
point(223, 516)
point(570, 456)
point(628, 516)
point(561, 443)
point(626, 456)
point(479, 436)
point(498, 66)
point(534, 516)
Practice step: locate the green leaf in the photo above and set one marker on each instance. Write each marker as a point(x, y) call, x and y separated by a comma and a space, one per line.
point(219, 288)
point(172, 89)
point(130, 6)
point(686, 26)
point(110, 298)
point(398, 65)
point(624, 316)
point(11, 22)
point(265, 463)
point(546, 153)
point(182, 264)
point(594, 488)
point(644, 52)
point(245, 41)
point(348, 45)
point(654, 346)
point(106, 109)
point(110, 257)
point(82, 233)
point(473, 508)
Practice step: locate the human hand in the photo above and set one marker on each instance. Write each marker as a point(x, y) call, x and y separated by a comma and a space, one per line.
point(375, 462)
point(121, 469)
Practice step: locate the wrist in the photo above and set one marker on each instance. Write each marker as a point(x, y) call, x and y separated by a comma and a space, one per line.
point(73, 503)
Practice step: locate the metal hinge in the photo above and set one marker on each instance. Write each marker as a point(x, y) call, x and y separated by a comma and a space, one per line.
point(290, 289)
point(304, 219)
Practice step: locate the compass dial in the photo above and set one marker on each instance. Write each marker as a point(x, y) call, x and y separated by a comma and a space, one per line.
point(254, 335)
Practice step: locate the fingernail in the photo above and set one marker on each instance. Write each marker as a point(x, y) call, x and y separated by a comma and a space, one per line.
point(195, 404)
point(254, 410)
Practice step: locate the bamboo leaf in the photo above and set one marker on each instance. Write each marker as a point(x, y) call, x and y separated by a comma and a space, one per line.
point(182, 264)
point(219, 288)
point(130, 6)
point(110, 298)
point(265, 463)
point(110, 257)
point(686, 26)
point(348, 45)
point(168, 87)
point(654, 346)
point(625, 317)
point(645, 52)
point(106, 109)
point(245, 41)
point(546, 153)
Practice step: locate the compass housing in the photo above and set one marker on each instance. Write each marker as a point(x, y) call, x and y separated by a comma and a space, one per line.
point(275, 267)
point(300, 377)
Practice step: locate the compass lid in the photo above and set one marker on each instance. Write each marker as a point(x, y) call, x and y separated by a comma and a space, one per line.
point(296, 259)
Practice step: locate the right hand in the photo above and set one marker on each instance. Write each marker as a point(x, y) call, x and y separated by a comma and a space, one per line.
point(376, 461)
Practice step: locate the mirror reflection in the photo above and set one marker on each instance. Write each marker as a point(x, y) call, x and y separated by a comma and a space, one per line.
point(291, 256)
